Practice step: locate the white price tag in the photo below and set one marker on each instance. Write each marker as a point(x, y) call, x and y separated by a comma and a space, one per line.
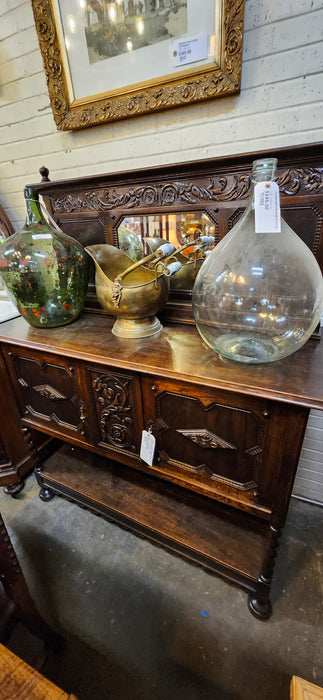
point(190, 50)
point(267, 208)
point(147, 448)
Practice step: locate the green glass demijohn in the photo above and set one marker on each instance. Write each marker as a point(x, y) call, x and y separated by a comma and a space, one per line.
point(258, 296)
point(44, 270)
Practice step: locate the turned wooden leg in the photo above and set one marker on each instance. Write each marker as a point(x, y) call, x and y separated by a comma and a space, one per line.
point(259, 603)
point(260, 608)
point(17, 591)
point(14, 489)
point(45, 494)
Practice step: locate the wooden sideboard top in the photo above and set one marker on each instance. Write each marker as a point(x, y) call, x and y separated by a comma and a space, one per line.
point(178, 352)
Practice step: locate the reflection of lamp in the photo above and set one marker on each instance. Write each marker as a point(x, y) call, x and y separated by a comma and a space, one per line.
point(112, 12)
point(129, 45)
point(140, 25)
point(130, 243)
point(71, 23)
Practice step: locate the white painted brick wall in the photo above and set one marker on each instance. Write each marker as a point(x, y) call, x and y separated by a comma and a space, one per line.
point(280, 104)
point(309, 478)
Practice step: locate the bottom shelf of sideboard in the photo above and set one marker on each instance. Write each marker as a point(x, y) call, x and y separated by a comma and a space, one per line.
point(219, 538)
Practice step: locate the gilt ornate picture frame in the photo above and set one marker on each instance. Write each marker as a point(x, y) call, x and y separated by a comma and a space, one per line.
point(113, 59)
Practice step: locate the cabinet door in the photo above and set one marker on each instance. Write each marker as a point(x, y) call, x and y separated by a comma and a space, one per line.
point(48, 392)
point(116, 408)
point(224, 445)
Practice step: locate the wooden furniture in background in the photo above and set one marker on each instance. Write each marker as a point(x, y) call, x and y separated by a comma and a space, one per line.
point(20, 605)
point(19, 681)
point(6, 227)
point(303, 690)
point(228, 437)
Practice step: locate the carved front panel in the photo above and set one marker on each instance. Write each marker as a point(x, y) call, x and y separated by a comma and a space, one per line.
point(220, 442)
point(115, 397)
point(47, 393)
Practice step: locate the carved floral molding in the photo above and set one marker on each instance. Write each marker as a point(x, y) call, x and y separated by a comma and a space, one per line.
point(218, 189)
point(294, 180)
point(114, 410)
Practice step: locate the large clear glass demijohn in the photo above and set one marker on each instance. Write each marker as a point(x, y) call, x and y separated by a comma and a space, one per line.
point(258, 296)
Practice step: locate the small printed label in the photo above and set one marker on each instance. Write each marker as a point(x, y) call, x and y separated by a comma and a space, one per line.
point(41, 236)
point(190, 50)
point(147, 448)
point(267, 208)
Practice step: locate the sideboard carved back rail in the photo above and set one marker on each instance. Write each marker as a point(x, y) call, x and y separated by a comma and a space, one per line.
point(91, 208)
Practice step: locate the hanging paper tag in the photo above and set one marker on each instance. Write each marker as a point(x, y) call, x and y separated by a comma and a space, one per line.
point(147, 448)
point(41, 236)
point(267, 208)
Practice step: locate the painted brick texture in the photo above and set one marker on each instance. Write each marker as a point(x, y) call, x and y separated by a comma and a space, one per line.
point(279, 104)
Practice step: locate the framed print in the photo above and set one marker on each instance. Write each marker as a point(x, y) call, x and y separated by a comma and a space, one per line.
point(112, 59)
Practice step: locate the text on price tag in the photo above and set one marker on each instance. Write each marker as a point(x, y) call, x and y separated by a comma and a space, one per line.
point(147, 447)
point(189, 50)
point(267, 208)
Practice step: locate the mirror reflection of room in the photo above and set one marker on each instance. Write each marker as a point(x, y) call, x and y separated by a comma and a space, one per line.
point(192, 235)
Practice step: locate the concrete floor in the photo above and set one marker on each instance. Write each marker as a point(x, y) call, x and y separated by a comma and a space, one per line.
point(140, 623)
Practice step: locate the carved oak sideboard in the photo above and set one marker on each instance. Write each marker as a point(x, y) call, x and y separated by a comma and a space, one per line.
point(228, 440)
point(228, 437)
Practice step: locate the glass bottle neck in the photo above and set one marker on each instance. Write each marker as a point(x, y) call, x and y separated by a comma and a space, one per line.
point(34, 213)
point(264, 170)
point(251, 199)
